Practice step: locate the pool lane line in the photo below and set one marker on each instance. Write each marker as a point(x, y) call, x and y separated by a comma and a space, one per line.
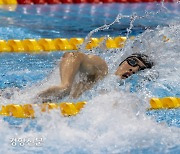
point(72, 109)
point(30, 110)
point(58, 44)
point(164, 103)
point(31, 2)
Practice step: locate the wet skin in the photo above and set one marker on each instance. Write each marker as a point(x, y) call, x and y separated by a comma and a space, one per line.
point(125, 70)
point(91, 66)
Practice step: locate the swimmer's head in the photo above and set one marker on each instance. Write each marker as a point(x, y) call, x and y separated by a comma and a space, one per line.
point(133, 64)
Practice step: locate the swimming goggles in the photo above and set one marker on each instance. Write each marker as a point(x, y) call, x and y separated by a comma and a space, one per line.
point(133, 62)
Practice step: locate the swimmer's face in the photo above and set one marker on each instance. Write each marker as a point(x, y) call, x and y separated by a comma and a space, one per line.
point(130, 66)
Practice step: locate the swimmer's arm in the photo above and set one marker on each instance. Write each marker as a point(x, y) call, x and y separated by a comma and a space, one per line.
point(52, 94)
point(82, 86)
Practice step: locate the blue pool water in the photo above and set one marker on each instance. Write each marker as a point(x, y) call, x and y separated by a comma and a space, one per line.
point(113, 122)
point(67, 21)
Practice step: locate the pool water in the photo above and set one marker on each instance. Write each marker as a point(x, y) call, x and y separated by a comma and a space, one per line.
point(116, 119)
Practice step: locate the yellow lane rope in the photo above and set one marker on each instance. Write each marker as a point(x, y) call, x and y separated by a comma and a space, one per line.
point(57, 44)
point(165, 103)
point(29, 110)
point(72, 109)
point(8, 2)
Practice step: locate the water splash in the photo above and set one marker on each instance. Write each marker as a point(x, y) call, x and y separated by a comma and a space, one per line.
point(114, 120)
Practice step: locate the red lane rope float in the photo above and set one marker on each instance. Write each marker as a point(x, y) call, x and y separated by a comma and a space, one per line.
point(94, 1)
point(76, 1)
point(25, 2)
point(39, 1)
point(67, 1)
point(53, 1)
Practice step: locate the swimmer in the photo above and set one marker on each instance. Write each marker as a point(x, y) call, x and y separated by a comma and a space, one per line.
point(92, 68)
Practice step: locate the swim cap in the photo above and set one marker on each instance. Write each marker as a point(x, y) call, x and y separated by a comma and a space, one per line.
point(144, 59)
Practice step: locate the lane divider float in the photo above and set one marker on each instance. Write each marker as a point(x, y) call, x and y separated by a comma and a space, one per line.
point(11, 2)
point(165, 103)
point(30, 2)
point(57, 44)
point(29, 110)
point(72, 109)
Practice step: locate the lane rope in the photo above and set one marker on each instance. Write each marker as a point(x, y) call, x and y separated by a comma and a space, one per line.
point(30, 2)
point(30, 110)
point(72, 109)
point(57, 44)
point(165, 103)
point(62, 44)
